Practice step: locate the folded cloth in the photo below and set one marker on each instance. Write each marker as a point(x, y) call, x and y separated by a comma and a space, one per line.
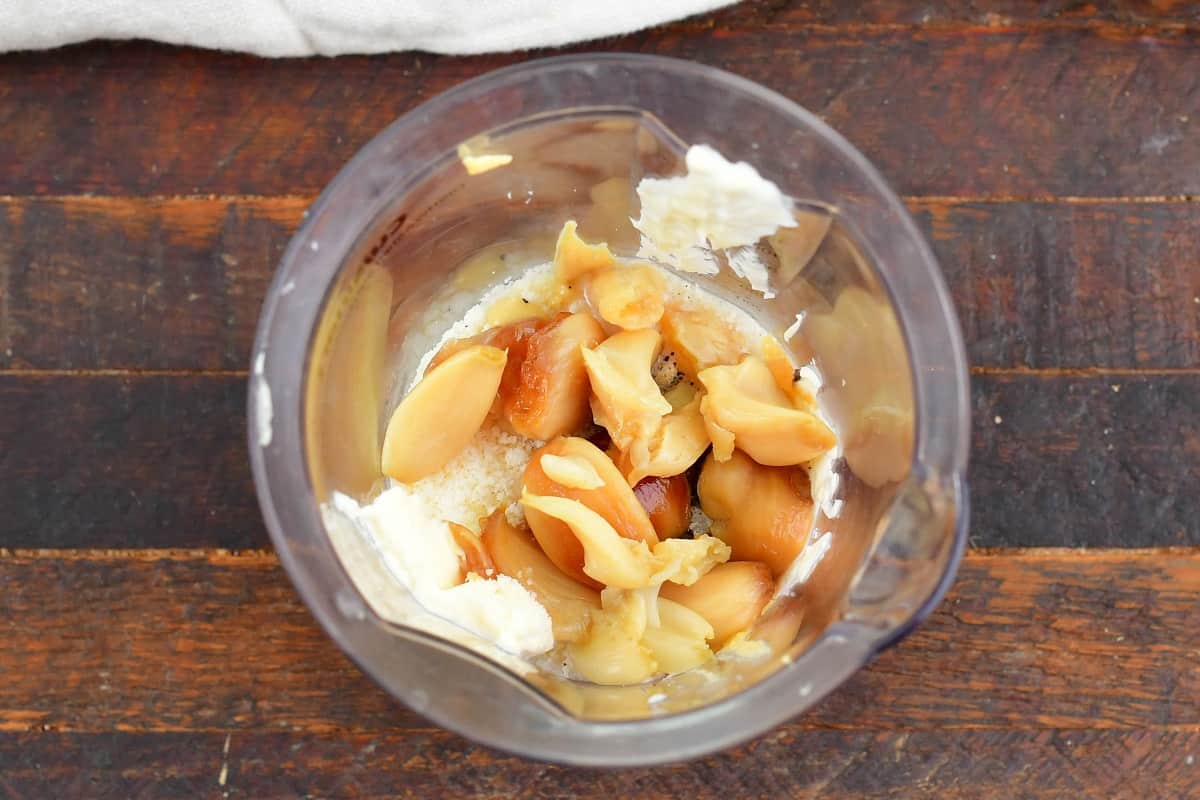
point(332, 27)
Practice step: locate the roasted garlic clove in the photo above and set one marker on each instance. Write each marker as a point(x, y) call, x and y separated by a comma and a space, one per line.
point(680, 641)
point(626, 400)
point(551, 396)
point(515, 554)
point(730, 597)
point(745, 401)
point(437, 419)
point(674, 653)
point(668, 503)
point(574, 257)
point(566, 467)
point(624, 563)
point(678, 618)
point(608, 557)
point(699, 341)
point(685, 561)
point(722, 438)
point(610, 656)
point(762, 513)
point(785, 374)
point(680, 441)
point(512, 338)
point(474, 556)
point(628, 297)
point(571, 472)
point(780, 624)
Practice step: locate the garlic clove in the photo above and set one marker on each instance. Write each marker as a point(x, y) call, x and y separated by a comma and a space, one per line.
point(668, 503)
point(609, 656)
point(614, 500)
point(730, 597)
point(629, 297)
point(745, 401)
point(678, 618)
point(699, 341)
point(780, 624)
point(437, 419)
point(513, 338)
point(784, 372)
point(515, 553)
point(763, 513)
point(625, 398)
point(474, 557)
point(574, 257)
point(680, 441)
point(674, 652)
point(551, 395)
point(623, 563)
point(608, 557)
point(572, 472)
point(680, 641)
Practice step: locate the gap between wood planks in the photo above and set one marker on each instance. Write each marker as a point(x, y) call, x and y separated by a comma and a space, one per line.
point(256, 558)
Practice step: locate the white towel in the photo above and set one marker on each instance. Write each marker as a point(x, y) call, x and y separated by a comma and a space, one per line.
point(333, 27)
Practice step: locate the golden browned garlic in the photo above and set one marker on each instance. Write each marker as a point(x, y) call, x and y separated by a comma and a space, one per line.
point(605, 545)
point(762, 513)
point(730, 597)
point(628, 297)
point(474, 558)
point(574, 257)
point(745, 401)
point(438, 418)
point(699, 341)
point(626, 400)
point(551, 397)
point(613, 499)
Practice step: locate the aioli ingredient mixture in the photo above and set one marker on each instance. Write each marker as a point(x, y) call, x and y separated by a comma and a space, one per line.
point(611, 471)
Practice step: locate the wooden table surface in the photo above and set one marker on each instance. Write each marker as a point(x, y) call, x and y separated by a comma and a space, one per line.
point(151, 645)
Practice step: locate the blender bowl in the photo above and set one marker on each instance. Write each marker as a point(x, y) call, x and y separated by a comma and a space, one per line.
point(465, 191)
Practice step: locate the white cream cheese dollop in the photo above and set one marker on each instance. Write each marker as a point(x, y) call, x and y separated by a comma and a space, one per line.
point(717, 205)
point(420, 553)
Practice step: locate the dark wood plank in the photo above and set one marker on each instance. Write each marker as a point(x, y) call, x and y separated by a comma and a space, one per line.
point(1068, 285)
point(947, 12)
point(1079, 461)
point(114, 460)
point(103, 283)
point(170, 641)
point(159, 461)
point(129, 283)
point(973, 765)
point(943, 111)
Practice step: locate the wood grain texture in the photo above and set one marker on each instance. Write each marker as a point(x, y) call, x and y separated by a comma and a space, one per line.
point(1081, 461)
point(978, 111)
point(925, 13)
point(131, 283)
point(1067, 285)
point(1034, 640)
point(101, 283)
point(802, 765)
point(110, 460)
point(160, 461)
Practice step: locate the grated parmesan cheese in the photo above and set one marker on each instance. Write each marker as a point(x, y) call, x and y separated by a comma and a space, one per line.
point(483, 477)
